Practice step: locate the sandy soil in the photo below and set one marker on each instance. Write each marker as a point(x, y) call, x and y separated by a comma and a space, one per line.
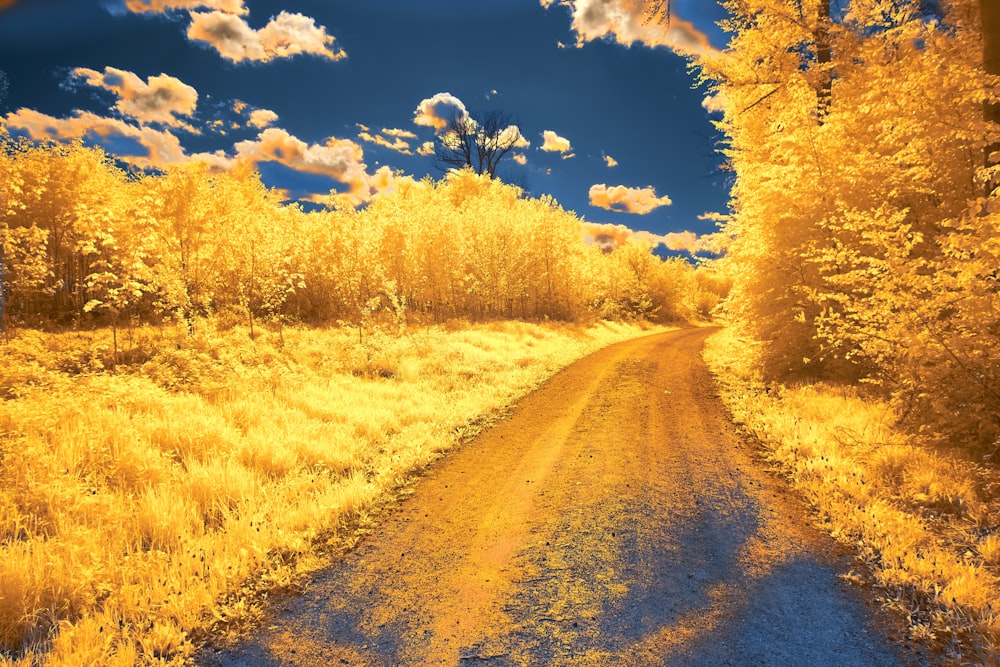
point(614, 518)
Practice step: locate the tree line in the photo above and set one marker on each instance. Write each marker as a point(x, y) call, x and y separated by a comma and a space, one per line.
point(84, 242)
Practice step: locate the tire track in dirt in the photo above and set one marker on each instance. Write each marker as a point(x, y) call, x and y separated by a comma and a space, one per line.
point(614, 518)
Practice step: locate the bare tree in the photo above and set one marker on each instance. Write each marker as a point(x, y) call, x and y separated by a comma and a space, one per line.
point(479, 141)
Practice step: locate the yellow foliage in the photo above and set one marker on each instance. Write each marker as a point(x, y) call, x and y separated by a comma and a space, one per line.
point(865, 248)
point(141, 507)
point(80, 238)
point(925, 523)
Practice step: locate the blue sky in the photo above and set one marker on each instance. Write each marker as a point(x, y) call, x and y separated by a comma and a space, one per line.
point(324, 94)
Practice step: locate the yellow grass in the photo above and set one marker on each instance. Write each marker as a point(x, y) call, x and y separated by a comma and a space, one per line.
point(925, 523)
point(140, 507)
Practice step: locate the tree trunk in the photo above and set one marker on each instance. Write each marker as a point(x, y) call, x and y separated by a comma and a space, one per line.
point(990, 18)
point(824, 55)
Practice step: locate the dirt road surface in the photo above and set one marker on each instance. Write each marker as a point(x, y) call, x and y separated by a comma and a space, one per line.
point(614, 518)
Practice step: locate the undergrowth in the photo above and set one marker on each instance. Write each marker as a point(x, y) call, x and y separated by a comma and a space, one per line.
point(150, 495)
point(926, 523)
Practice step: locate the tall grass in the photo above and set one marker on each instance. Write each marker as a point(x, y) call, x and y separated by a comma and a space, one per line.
point(926, 523)
point(140, 507)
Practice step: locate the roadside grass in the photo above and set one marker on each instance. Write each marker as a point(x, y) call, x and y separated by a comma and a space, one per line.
point(925, 523)
point(142, 506)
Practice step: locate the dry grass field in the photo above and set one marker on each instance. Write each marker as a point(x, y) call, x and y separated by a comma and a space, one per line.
point(142, 505)
point(926, 523)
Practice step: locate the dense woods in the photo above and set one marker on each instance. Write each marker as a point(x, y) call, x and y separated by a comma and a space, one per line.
point(85, 242)
point(866, 248)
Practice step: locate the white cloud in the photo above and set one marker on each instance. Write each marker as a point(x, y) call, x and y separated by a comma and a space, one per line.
point(400, 134)
point(714, 103)
point(521, 159)
point(148, 147)
point(629, 21)
point(340, 159)
point(623, 199)
point(286, 35)
point(610, 161)
point(554, 143)
point(426, 148)
point(392, 142)
point(159, 99)
point(438, 111)
point(261, 118)
point(511, 135)
point(610, 236)
point(694, 244)
point(163, 6)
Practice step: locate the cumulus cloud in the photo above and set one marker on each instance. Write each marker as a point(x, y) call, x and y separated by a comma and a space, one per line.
point(610, 161)
point(439, 110)
point(261, 118)
point(609, 236)
point(388, 139)
point(426, 148)
point(714, 216)
point(521, 159)
point(162, 6)
point(159, 99)
point(286, 35)
point(714, 103)
point(628, 22)
point(711, 244)
point(143, 146)
point(623, 199)
point(396, 132)
point(149, 148)
point(340, 159)
point(554, 143)
point(511, 136)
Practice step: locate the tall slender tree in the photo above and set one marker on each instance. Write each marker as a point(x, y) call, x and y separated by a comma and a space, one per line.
point(989, 12)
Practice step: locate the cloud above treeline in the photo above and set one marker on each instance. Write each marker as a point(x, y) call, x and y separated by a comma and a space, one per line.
point(608, 237)
point(622, 199)
point(553, 143)
point(629, 22)
point(391, 138)
point(161, 6)
point(222, 25)
point(284, 36)
point(147, 147)
point(439, 110)
point(261, 118)
point(159, 99)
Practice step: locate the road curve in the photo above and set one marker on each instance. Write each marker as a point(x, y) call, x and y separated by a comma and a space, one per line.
point(614, 518)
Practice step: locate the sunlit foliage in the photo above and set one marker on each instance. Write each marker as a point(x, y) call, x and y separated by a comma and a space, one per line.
point(865, 246)
point(152, 480)
point(925, 523)
point(82, 237)
point(142, 506)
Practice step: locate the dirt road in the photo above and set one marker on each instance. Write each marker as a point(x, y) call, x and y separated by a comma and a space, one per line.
point(615, 518)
